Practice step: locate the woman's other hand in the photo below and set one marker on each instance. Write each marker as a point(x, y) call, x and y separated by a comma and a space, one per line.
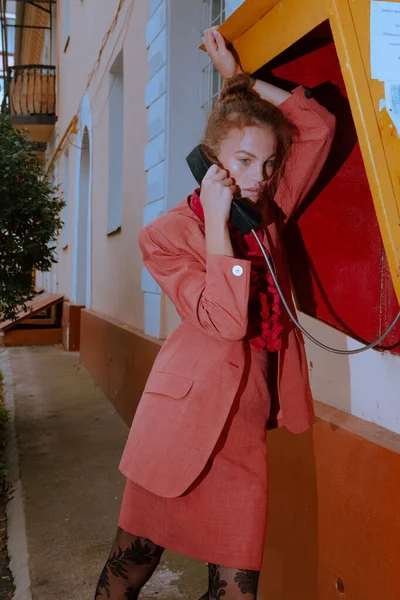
point(221, 56)
point(217, 190)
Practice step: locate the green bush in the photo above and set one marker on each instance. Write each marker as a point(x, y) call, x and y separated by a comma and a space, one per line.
point(30, 208)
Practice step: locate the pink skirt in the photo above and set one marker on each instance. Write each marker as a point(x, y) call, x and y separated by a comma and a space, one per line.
point(222, 518)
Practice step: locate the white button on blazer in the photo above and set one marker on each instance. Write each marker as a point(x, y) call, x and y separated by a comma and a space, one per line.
point(237, 270)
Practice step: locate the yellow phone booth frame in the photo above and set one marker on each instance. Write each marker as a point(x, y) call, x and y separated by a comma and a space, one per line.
point(262, 29)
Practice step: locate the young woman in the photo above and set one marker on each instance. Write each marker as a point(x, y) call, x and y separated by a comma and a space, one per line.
point(195, 459)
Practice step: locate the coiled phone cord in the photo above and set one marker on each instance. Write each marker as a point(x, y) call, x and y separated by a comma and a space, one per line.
point(304, 331)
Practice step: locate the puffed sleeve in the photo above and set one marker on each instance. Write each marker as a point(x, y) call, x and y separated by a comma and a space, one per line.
point(309, 151)
point(213, 297)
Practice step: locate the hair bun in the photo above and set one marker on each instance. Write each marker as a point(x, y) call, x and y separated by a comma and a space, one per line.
point(237, 87)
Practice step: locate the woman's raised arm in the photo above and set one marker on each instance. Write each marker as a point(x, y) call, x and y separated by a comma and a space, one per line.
point(227, 65)
point(314, 124)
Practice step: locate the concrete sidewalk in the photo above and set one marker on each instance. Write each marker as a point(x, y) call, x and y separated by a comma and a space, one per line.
point(70, 441)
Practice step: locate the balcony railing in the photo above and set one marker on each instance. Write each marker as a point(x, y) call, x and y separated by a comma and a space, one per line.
point(30, 91)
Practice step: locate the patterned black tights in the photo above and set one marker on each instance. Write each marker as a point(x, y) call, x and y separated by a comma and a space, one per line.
point(134, 559)
point(131, 563)
point(231, 584)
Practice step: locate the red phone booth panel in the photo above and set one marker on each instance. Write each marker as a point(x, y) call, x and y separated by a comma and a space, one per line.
point(338, 265)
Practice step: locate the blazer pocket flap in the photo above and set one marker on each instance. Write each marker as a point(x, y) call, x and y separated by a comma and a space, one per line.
point(169, 384)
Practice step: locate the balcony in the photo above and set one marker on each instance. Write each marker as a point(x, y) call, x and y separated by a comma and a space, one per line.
point(30, 100)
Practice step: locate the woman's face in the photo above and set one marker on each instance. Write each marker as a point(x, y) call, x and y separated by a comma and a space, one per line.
point(248, 154)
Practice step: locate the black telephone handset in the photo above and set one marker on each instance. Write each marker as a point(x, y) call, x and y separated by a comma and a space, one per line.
point(243, 216)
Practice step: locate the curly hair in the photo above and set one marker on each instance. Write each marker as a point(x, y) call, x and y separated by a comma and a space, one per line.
point(240, 106)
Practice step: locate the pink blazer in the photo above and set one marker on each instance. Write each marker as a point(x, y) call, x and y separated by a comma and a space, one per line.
point(198, 370)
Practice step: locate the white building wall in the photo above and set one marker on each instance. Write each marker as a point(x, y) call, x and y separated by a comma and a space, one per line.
point(231, 6)
point(155, 152)
point(97, 36)
point(366, 385)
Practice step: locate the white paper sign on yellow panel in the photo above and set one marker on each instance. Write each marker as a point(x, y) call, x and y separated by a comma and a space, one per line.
point(385, 40)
